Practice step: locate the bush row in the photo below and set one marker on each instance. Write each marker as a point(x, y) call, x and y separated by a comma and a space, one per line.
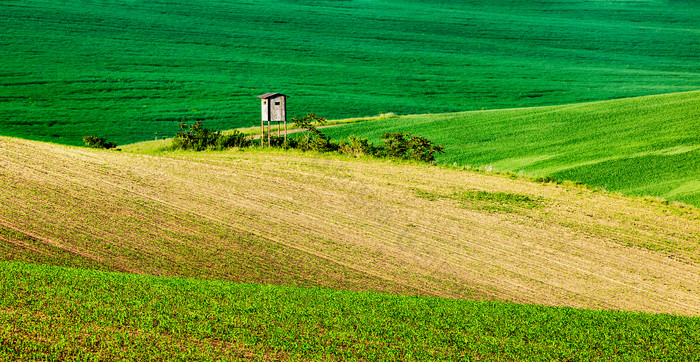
point(402, 145)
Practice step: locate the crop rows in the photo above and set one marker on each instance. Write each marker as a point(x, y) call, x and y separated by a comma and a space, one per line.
point(128, 70)
point(63, 314)
point(361, 224)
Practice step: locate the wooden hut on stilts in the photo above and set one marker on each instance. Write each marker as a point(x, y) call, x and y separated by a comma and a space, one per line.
point(274, 110)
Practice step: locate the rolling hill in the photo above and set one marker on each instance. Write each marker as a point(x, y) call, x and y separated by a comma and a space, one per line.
point(329, 221)
point(639, 146)
point(128, 69)
point(284, 255)
point(478, 266)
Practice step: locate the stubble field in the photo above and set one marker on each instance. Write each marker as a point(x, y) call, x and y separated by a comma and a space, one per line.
point(313, 220)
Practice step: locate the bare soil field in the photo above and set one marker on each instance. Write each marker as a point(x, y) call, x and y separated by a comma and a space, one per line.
point(315, 220)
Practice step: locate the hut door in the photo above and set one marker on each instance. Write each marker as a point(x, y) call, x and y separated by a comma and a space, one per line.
point(277, 111)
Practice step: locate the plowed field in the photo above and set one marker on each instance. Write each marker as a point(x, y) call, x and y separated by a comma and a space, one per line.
point(302, 219)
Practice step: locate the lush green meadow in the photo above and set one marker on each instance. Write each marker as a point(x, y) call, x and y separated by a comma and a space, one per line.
point(128, 69)
point(57, 313)
point(639, 146)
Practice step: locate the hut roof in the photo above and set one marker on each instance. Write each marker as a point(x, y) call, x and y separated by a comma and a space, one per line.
point(271, 95)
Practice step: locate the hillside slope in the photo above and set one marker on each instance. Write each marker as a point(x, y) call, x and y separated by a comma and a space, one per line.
point(71, 68)
point(640, 146)
point(301, 219)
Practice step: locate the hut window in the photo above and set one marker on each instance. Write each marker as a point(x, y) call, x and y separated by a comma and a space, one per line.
point(277, 103)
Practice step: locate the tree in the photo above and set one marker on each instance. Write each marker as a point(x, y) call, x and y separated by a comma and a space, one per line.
point(309, 123)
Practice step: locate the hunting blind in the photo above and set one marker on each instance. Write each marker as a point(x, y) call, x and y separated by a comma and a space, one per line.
point(274, 110)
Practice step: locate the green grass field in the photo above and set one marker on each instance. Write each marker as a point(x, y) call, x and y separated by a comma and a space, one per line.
point(638, 146)
point(126, 70)
point(57, 313)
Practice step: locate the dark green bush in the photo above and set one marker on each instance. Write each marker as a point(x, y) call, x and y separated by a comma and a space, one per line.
point(547, 180)
point(97, 142)
point(404, 145)
point(234, 139)
point(422, 149)
point(322, 144)
point(274, 141)
point(355, 146)
point(196, 137)
point(395, 145)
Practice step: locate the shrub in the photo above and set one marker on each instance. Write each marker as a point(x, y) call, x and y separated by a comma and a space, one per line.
point(322, 144)
point(97, 142)
point(395, 144)
point(355, 146)
point(547, 180)
point(422, 149)
point(401, 145)
point(234, 139)
point(197, 137)
point(194, 137)
point(275, 141)
point(406, 146)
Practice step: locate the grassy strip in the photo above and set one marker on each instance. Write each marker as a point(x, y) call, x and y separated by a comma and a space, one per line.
point(58, 313)
point(485, 200)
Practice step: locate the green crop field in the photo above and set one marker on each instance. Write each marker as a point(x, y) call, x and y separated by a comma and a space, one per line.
point(128, 69)
point(55, 313)
point(640, 146)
